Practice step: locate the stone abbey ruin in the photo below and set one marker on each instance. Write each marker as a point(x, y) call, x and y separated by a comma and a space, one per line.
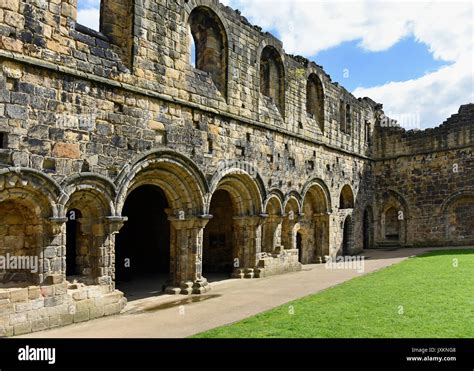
point(120, 159)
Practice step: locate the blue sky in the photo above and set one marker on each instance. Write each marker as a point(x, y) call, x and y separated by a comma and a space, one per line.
point(352, 67)
point(415, 58)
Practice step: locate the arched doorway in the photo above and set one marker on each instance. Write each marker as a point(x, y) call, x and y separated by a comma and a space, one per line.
point(347, 237)
point(272, 227)
point(218, 238)
point(72, 242)
point(315, 224)
point(367, 229)
point(143, 244)
point(392, 225)
point(299, 246)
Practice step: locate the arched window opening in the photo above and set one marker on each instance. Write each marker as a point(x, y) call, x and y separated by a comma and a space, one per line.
point(88, 13)
point(73, 244)
point(348, 119)
point(209, 46)
point(315, 99)
point(346, 199)
point(272, 77)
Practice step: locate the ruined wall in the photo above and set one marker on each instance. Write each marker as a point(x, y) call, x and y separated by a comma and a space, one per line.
point(429, 176)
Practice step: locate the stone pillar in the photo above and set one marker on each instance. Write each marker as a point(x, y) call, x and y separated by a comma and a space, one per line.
point(321, 238)
point(186, 255)
point(106, 269)
point(52, 258)
point(288, 236)
point(272, 232)
point(247, 244)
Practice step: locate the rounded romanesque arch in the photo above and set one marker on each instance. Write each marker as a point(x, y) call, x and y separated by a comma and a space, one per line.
point(29, 224)
point(457, 211)
point(232, 238)
point(394, 216)
point(315, 222)
point(275, 197)
point(272, 227)
point(291, 226)
point(93, 187)
point(162, 193)
point(293, 202)
point(87, 203)
point(177, 176)
point(247, 189)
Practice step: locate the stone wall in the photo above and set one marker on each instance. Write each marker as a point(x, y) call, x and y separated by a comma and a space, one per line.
point(428, 176)
point(35, 308)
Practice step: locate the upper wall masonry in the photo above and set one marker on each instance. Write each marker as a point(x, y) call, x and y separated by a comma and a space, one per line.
point(198, 53)
point(455, 133)
point(235, 69)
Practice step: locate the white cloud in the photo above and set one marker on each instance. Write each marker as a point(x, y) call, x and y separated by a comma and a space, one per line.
point(309, 26)
point(89, 17)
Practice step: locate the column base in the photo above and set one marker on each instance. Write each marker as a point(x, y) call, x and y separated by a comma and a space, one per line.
point(198, 287)
point(245, 273)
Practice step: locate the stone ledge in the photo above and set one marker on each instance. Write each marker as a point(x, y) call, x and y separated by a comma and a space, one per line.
point(36, 308)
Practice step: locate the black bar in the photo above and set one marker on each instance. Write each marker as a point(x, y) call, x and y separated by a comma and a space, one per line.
point(219, 354)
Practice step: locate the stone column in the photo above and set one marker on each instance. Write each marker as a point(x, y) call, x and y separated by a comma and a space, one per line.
point(288, 237)
point(186, 255)
point(52, 258)
point(272, 232)
point(247, 244)
point(106, 269)
point(321, 238)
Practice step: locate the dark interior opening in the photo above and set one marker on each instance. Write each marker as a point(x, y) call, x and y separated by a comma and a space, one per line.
point(72, 236)
point(218, 240)
point(143, 244)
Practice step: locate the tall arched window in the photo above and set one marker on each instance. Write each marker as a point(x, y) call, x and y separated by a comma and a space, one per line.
point(272, 77)
point(315, 99)
point(348, 119)
point(116, 22)
point(210, 46)
point(346, 198)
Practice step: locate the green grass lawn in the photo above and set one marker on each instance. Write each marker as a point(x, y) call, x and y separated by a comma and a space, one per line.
point(422, 297)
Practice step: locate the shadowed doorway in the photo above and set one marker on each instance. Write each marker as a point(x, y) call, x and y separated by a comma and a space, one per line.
point(218, 238)
point(143, 245)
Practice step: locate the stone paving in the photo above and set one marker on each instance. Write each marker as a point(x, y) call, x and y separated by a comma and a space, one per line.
point(228, 301)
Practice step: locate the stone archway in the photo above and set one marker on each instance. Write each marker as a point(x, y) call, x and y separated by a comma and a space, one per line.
point(235, 229)
point(143, 244)
point(272, 226)
point(315, 224)
point(393, 217)
point(291, 226)
point(178, 188)
point(30, 229)
point(87, 204)
point(458, 214)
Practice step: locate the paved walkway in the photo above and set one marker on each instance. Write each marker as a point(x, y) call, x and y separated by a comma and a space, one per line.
point(228, 301)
